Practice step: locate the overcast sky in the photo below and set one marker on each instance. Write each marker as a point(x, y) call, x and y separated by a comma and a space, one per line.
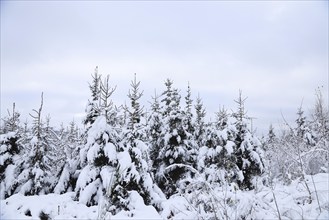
point(275, 52)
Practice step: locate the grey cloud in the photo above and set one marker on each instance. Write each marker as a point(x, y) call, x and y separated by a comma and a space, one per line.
point(276, 52)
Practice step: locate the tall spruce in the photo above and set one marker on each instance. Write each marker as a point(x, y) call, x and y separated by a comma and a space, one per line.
point(98, 161)
point(248, 152)
point(174, 144)
point(154, 129)
point(189, 127)
point(134, 172)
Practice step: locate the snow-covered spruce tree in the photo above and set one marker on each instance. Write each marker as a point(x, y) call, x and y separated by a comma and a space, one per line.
point(37, 174)
point(10, 148)
point(135, 112)
point(174, 144)
point(320, 119)
point(92, 109)
point(69, 140)
point(217, 169)
point(217, 161)
point(98, 157)
point(74, 163)
point(188, 119)
point(199, 123)
point(303, 130)
point(11, 122)
point(134, 173)
point(57, 150)
point(72, 138)
point(188, 126)
point(109, 110)
point(154, 128)
point(222, 119)
point(248, 152)
point(271, 136)
point(320, 135)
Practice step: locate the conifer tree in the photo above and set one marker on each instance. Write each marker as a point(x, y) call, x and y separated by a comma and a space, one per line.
point(222, 119)
point(113, 159)
point(271, 136)
point(11, 147)
point(106, 105)
point(188, 126)
point(188, 111)
point(92, 109)
point(302, 131)
point(37, 172)
point(319, 135)
point(72, 138)
point(199, 124)
point(11, 123)
point(134, 173)
point(154, 129)
point(98, 155)
point(320, 118)
point(135, 112)
point(248, 152)
point(69, 140)
point(217, 160)
point(174, 144)
point(301, 128)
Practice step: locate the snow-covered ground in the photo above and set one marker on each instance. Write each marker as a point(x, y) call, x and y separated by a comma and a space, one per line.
point(292, 202)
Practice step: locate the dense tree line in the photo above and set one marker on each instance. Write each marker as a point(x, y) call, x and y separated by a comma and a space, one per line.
point(170, 150)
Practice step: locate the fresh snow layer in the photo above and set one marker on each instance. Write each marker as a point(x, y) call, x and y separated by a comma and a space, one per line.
point(64, 207)
point(54, 205)
point(292, 201)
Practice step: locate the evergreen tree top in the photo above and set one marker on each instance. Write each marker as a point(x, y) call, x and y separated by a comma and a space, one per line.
point(11, 123)
point(171, 99)
point(136, 111)
point(95, 85)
